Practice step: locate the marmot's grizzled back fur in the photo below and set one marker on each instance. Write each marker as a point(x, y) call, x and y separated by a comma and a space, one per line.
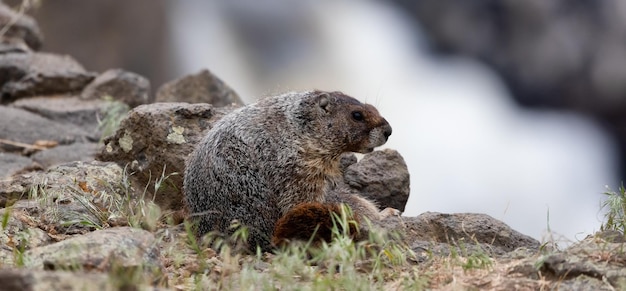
point(261, 160)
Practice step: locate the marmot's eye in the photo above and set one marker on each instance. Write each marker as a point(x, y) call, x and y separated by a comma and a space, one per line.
point(357, 115)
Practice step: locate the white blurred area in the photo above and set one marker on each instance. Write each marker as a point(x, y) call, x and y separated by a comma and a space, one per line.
point(467, 146)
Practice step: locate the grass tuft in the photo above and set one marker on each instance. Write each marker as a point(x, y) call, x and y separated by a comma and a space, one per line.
point(113, 113)
point(375, 263)
point(615, 207)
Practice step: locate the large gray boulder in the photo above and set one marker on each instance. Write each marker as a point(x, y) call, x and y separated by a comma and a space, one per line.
point(155, 139)
point(433, 232)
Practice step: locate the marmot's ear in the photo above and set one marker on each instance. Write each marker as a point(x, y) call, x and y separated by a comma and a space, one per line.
point(323, 100)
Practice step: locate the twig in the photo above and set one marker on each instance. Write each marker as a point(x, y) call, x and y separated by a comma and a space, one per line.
point(22, 145)
point(26, 4)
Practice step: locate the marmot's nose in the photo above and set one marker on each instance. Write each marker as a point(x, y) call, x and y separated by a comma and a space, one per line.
point(387, 132)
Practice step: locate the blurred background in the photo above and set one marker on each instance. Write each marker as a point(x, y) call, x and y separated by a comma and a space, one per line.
point(511, 108)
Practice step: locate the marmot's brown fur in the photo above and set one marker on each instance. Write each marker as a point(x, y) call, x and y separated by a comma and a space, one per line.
point(263, 159)
point(302, 221)
point(311, 221)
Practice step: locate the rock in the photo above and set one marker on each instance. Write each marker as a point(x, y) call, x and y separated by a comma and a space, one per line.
point(77, 198)
point(591, 264)
point(91, 177)
point(381, 176)
point(119, 247)
point(155, 139)
point(30, 74)
point(19, 47)
point(202, 87)
point(59, 213)
point(11, 164)
point(18, 125)
point(346, 160)
point(430, 231)
point(61, 115)
point(18, 234)
point(66, 153)
point(23, 30)
point(20, 279)
point(67, 109)
point(124, 86)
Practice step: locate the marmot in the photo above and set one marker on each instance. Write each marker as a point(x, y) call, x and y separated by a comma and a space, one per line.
point(261, 160)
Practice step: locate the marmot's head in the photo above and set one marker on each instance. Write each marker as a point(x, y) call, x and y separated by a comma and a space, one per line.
point(342, 123)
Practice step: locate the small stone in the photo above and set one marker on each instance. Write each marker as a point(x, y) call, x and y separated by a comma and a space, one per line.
point(381, 176)
point(202, 87)
point(128, 87)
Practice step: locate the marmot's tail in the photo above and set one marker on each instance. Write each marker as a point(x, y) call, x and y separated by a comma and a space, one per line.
point(315, 222)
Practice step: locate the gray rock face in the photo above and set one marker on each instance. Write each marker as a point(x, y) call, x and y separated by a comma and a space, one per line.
point(17, 279)
point(97, 176)
point(84, 152)
point(158, 137)
point(19, 233)
point(69, 126)
point(381, 176)
point(124, 86)
point(30, 74)
point(23, 30)
point(432, 231)
point(22, 126)
point(101, 249)
point(11, 164)
point(202, 87)
point(594, 263)
point(67, 110)
point(71, 216)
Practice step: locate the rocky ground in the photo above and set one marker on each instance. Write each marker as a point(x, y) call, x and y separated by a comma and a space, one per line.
point(90, 185)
